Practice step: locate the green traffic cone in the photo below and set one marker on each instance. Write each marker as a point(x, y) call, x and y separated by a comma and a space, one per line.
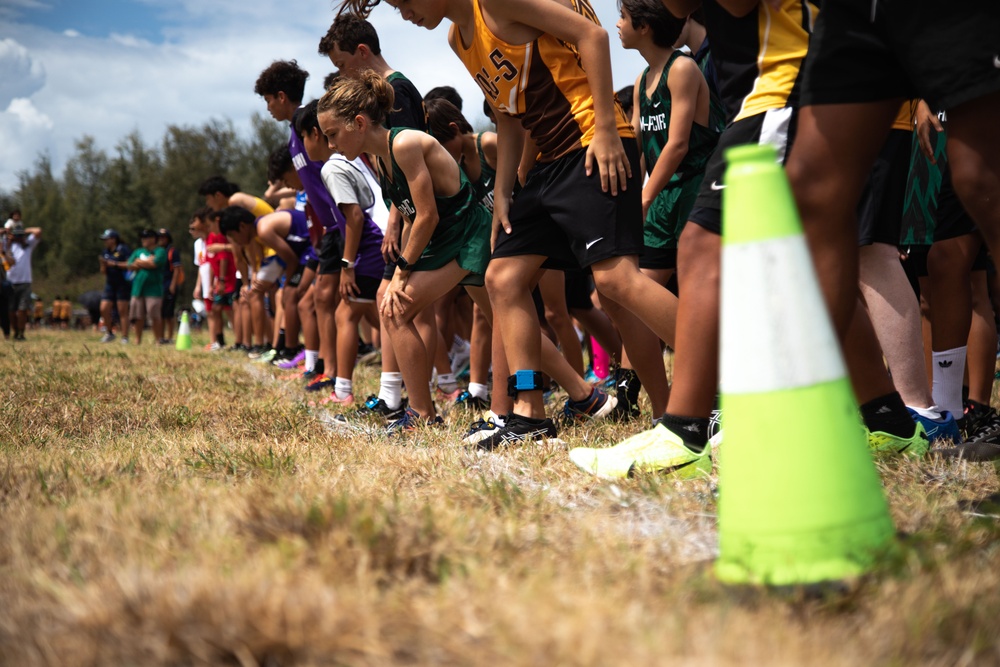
point(800, 499)
point(184, 333)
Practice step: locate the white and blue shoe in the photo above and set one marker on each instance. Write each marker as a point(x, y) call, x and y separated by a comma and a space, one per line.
point(945, 428)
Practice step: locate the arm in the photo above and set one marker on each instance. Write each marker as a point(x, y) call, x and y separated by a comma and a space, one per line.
point(684, 83)
point(390, 242)
point(510, 143)
point(923, 120)
point(36, 231)
point(355, 219)
point(637, 121)
point(409, 153)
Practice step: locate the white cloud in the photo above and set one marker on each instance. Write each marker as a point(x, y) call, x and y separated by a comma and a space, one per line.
point(71, 33)
point(28, 116)
point(205, 68)
point(22, 74)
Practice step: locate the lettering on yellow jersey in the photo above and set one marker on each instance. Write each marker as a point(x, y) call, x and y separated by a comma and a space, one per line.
point(503, 69)
point(655, 123)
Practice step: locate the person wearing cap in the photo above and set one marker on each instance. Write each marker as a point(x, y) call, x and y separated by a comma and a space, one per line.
point(21, 244)
point(173, 279)
point(149, 262)
point(117, 290)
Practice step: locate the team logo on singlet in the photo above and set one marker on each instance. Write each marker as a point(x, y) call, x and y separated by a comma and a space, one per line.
point(406, 208)
point(655, 123)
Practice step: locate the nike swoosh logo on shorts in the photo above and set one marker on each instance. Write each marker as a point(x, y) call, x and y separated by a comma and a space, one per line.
point(593, 242)
point(996, 61)
point(715, 186)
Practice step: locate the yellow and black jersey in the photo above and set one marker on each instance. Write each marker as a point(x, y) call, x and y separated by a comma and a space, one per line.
point(542, 83)
point(758, 56)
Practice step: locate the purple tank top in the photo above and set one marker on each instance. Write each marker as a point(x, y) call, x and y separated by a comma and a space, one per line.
point(309, 173)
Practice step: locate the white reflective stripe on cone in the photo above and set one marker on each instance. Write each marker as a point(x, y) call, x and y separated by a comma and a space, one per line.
point(775, 331)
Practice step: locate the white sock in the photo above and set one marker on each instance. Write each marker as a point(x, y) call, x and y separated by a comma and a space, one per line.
point(479, 390)
point(447, 381)
point(390, 390)
point(497, 419)
point(933, 412)
point(343, 387)
point(311, 357)
point(949, 370)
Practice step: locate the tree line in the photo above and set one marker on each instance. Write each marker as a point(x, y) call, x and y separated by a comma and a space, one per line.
point(132, 187)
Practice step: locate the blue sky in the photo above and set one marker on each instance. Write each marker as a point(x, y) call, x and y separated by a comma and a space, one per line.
point(104, 68)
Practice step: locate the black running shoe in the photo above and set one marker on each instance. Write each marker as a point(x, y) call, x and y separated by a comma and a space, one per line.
point(978, 420)
point(519, 430)
point(469, 402)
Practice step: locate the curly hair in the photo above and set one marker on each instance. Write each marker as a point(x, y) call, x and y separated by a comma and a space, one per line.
point(665, 26)
point(369, 94)
point(282, 76)
point(348, 32)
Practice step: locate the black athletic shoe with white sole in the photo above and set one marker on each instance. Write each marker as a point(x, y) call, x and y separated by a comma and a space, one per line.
point(519, 430)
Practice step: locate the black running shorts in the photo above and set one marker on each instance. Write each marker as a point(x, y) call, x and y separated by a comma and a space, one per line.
point(869, 50)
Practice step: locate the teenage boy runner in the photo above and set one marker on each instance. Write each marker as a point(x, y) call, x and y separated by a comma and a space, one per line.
point(282, 85)
point(286, 234)
point(672, 118)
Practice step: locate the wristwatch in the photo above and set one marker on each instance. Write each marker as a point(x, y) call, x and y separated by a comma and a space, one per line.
point(346, 263)
point(403, 264)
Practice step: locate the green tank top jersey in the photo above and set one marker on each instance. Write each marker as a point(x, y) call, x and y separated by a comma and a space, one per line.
point(463, 229)
point(487, 176)
point(669, 211)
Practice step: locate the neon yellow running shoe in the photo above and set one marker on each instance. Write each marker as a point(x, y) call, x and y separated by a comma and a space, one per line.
point(915, 446)
point(657, 450)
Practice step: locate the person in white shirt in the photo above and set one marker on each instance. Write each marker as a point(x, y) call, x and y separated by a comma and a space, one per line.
point(21, 243)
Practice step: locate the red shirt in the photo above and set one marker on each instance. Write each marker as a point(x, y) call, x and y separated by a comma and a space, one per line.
point(215, 260)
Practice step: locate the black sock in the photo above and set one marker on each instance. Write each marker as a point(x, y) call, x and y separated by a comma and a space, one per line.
point(888, 415)
point(281, 339)
point(692, 430)
point(220, 339)
point(319, 368)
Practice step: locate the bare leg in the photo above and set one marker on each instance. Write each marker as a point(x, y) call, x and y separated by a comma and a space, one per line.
point(981, 357)
point(895, 315)
point(552, 286)
point(509, 281)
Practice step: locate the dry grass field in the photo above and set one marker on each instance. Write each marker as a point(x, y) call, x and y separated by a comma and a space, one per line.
point(168, 508)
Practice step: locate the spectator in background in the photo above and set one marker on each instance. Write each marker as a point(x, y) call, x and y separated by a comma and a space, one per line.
point(22, 243)
point(173, 279)
point(149, 262)
point(117, 290)
point(6, 292)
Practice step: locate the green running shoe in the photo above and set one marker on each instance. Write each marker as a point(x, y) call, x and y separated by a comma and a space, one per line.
point(915, 446)
point(658, 450)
